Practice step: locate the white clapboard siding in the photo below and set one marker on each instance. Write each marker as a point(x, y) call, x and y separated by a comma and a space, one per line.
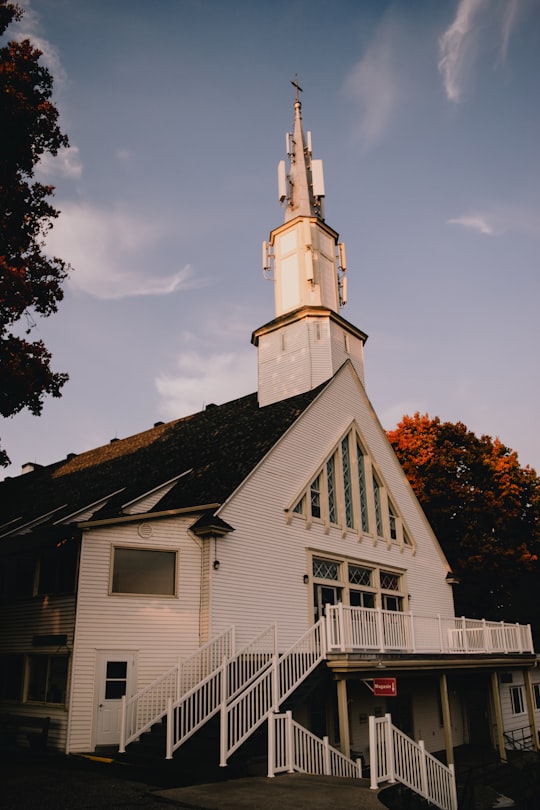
point(160, 630)
point(265, 559)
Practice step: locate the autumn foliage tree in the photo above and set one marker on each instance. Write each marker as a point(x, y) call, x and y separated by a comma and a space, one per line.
point(30, 281)
point(485, 511)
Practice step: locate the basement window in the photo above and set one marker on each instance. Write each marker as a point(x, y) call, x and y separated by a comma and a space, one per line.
point(145, 572)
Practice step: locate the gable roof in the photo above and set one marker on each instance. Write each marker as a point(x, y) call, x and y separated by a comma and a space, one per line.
point(209, 453)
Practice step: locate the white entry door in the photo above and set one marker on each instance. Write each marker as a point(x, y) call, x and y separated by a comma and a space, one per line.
point(116, 674)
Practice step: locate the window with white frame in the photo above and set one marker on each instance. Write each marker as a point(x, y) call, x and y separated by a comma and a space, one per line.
point(357, 584)
point(517, 702)
point(143, 572)
point(347, 493)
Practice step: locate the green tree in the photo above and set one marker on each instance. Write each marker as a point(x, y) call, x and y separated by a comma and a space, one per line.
point(30, 281)
point(485, 511)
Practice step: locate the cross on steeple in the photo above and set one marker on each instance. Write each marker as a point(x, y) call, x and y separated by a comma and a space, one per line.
point(297, 86)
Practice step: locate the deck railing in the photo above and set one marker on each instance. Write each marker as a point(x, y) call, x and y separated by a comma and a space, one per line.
point(357, 628)
point(395, 757)
point(291, 747)
point(149, 705)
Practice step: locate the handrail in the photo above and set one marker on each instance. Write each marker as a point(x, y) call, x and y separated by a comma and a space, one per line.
point(395, 756)
point(291, 747)
point(245, 713)
point(193, 709)
point(140, 711)
point(359, 628)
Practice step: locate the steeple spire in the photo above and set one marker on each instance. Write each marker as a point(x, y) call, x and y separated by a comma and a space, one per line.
point(307, 340)
point(302, 188)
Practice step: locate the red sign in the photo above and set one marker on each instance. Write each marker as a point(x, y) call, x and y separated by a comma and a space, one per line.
point(385, 687)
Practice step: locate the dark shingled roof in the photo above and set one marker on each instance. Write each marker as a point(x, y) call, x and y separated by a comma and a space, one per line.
point(213, 451)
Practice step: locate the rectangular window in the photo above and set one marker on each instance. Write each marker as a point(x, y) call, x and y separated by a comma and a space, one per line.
point(393, 524)
point(347, 491)
point(325, 569)
point(362, 489)
point(11, 677)
point(536, 694)
point(316, 497)
point(516, 700)
point(57, 569)
point(47, 678)
point(17, 576)
point(144, 572)
point(331, 485)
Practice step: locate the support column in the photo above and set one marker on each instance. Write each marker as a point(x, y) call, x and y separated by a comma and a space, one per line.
point(530, 707)
point(495, 693)
point(447, 722)
point(343, 718)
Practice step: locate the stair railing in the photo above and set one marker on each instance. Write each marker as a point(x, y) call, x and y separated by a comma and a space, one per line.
point(395, 757)
point(193, 709)
point(149, 705)
point(291, 747)
point(241, 716)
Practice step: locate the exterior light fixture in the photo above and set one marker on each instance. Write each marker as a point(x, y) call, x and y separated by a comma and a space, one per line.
point(216, 565)
point(306, 579)
point(452, 579)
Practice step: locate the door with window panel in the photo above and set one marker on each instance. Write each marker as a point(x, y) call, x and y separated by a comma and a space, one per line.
point(116, 679)
point(328, 592)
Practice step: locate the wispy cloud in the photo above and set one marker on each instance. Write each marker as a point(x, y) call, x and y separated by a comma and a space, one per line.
point(29, 27)
point(500, 219)
point(111, 251)
point(67, 163)
point(199, 378)
point(373, 85)
point(479, 25)
point(476, 222)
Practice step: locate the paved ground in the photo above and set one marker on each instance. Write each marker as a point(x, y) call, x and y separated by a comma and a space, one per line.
point(32, 781)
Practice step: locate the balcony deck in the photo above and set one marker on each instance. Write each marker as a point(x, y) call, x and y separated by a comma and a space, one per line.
point(357, 629)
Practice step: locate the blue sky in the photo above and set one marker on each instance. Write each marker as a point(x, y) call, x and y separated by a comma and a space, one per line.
point(426, 116)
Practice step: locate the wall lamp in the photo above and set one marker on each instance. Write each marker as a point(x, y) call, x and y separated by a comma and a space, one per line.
point(306, 579)
point(216, 565)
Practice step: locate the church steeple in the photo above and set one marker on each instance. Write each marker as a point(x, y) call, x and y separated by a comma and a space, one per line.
point(308, 340)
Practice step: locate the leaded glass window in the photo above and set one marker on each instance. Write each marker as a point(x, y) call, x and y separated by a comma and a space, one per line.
point(358, 575)
point(393, 524)
point(316, 497)
point(325, 569)
point(347, 492)
point(389, 581)
point(362, 489)
point(377, 500)
point(299, 508)
point(331, 486)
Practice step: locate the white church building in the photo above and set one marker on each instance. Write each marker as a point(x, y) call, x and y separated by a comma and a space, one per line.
point(266, 553)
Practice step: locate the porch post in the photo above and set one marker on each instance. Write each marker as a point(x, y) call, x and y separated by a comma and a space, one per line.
point(498, 715)
point(447, 723)
point(343, 718)
point(530, 707)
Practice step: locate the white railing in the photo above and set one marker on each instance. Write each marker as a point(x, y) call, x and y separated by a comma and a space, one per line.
point(148, 706)
point(243, 715)
point(357, 628)
point(292, 748)
point(193, 709)
point(394, 756)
